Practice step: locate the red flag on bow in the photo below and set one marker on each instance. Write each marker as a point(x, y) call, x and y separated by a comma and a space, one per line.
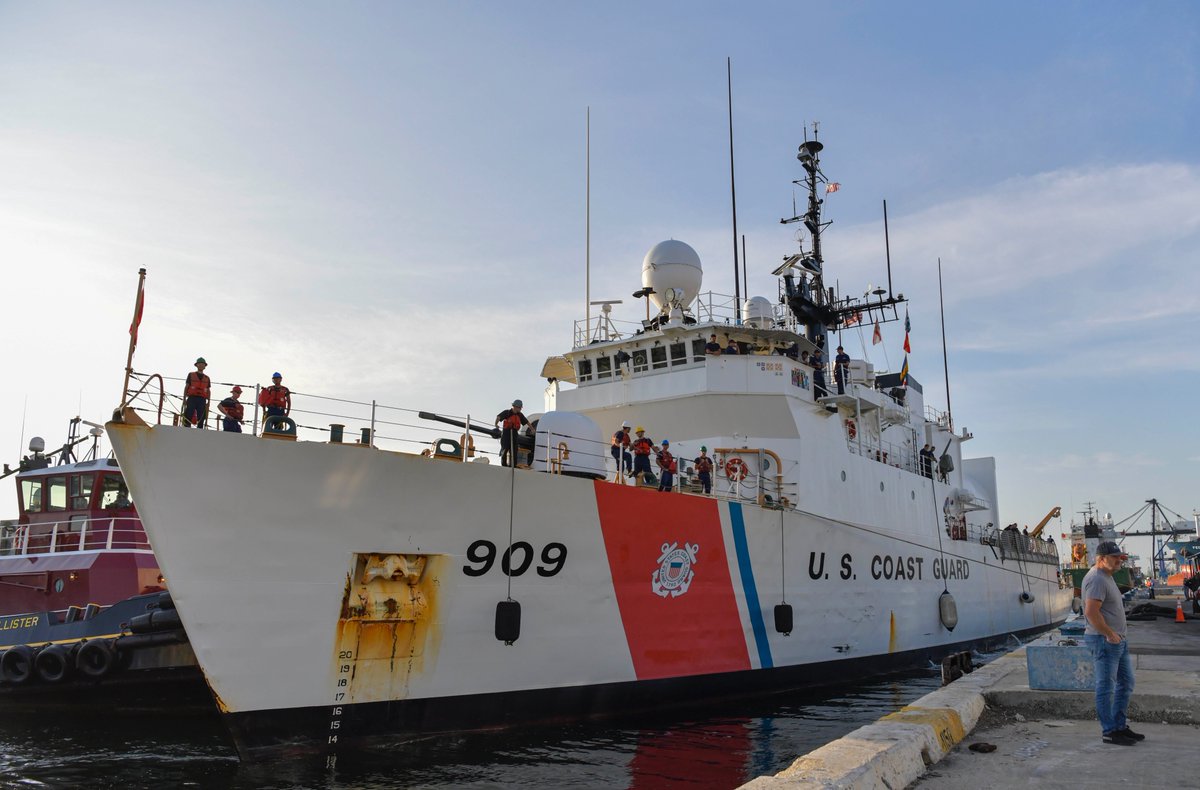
point(137, 317)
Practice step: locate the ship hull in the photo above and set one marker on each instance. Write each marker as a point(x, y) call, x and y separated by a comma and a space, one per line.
point(350, 592)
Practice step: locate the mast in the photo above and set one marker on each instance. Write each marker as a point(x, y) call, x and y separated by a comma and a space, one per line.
point(587, 225)
point(133, 333)
point(737, 296)
point(945, 359)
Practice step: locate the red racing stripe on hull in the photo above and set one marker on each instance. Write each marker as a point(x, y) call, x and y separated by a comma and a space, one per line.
point(667, 557)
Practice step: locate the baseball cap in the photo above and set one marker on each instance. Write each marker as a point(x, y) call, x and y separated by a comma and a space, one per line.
point(236, 388)
point(517, 403)
point(1109, 548)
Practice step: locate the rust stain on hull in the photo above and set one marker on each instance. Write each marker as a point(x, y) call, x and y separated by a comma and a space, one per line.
point(388, 631)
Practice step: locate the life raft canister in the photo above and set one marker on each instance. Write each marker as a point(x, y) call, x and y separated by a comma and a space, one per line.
point(736, 469)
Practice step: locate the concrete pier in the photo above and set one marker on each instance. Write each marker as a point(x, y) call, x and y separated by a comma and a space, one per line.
point(1045, 738)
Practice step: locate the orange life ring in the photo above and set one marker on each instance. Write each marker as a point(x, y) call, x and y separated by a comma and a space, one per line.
point(736, 469)
point(851, 428)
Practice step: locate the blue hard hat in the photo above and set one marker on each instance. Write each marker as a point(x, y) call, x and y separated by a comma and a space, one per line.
point(666, 442)
point(276, 375)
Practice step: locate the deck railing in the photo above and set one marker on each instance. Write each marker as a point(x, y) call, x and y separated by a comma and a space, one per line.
point(77, 534)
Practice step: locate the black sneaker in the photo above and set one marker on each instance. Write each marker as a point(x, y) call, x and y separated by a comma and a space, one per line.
point(1128, 733)
point(1119, 738)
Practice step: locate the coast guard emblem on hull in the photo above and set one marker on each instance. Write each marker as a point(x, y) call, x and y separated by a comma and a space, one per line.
point(674, 574)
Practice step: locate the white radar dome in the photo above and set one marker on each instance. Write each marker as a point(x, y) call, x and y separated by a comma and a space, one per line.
point(673, 270)
point(758, 312)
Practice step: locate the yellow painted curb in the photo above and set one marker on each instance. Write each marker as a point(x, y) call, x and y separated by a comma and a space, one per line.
point(946, 722)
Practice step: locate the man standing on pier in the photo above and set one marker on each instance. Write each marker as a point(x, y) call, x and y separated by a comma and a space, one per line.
point(1105, 635)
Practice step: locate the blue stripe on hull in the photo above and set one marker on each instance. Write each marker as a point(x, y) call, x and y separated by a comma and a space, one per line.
point(738, 523)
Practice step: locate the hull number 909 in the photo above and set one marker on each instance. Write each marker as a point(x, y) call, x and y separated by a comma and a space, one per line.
point(516, 558)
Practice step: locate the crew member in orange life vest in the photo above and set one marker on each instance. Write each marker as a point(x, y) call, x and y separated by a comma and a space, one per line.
point(276, 399)
point(667, 467)
point(704, 469)
point(232, 411)
point(642, 447)
point(509, 422)
point(195, 396)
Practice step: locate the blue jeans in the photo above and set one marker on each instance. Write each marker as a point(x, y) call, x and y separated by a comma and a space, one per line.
point(1114, 681)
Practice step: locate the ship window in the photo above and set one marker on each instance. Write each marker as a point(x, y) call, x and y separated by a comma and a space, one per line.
point(585, 370)
point(658, 357)
point(678, 354)
point(113, 493)
point(604, 368)
point(639, 361)
point(31, 494)
point(56, 493)
point(80, 487)
point(698, 350)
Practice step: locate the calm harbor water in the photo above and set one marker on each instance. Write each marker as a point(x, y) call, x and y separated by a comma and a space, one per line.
point(716, 746)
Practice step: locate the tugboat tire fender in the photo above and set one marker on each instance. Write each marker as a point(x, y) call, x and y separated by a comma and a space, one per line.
point(96, 658)
point(16, 666)
point(53, 663)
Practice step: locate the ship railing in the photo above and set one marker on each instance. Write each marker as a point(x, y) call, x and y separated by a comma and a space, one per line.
point(938, 417)
point(709, 307)
point(74, 535)
point(884, 452)
point(1011, 544)
point(393, 428)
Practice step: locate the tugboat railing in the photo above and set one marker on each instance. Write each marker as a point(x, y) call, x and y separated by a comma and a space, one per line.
point(76, 535)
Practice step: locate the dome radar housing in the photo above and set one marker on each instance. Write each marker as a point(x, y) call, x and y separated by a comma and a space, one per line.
point(672, 268)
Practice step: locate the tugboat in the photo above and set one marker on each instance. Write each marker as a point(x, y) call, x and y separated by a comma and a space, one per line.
point(414, 594)
point(85, 616)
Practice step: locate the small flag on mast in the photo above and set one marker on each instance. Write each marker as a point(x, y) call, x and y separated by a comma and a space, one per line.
point(907, 347)
point(904, 372)
point(137, 317)
point(877, 338)
point(831, 187)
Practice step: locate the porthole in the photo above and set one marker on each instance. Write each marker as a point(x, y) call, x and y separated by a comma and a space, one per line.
point(58, 585)
point(843, 475)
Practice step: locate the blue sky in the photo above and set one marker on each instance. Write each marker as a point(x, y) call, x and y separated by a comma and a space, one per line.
point(385, 200)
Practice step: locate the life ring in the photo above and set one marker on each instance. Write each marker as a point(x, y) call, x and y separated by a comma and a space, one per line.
point(736, 469)
point(95, 658)
point(851, 428)
point(53, 663)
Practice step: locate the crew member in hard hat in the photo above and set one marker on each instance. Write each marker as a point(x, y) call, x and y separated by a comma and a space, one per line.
point(1104, 633)
point(643, 446)
point(196, 389)
point(232, 411)
point(666, 466)
point(275, 399)
point(704, 466)
point(509, 422)
point(620, 450)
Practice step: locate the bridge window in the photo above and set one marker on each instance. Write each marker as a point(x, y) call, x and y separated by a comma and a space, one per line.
point(604, 368)
point(678, 354)
point(698, 350)
point(114, 493)
point(585, 370)
point(80, 487)
point(639, 361)
point(31, 494)
point(658, 357)
point(56, 493)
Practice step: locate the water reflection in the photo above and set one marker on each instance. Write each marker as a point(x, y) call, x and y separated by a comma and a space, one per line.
point(720, 745)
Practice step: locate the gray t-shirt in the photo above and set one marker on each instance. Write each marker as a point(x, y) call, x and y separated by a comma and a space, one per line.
point(1099, 586)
